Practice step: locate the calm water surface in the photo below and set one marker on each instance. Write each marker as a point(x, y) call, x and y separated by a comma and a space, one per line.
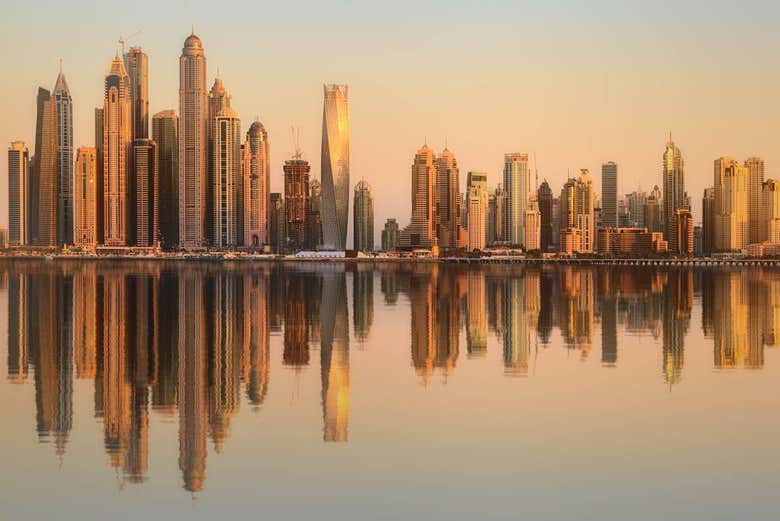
point(397, 391)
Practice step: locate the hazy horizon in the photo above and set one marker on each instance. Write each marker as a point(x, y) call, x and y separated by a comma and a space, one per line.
point(571, 84)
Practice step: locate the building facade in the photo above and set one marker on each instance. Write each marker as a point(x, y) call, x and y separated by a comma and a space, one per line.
point(296, 201)
point(18, 158)
point(193, 167)
point(147, 190)
point(576, 213)
point(732, 197)
point(544, 197)
point(85, 201)
point(517, 183)
point(421, 231)
point(770, 211)
point(391, 235)
point(137, 66)
point(609, 202)
point(447, 200)
point(674, 196)
point(256, 179)
point(478, 217)
point(117, 150)
point(682, 236)
point(165, 132)
point(64, 110)
point(363, 217)
point(335, 166)
point(43, 186)
point(226, 214)
point(755, 168)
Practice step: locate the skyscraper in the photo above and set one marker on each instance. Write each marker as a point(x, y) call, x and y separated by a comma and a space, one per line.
point(256, 178)
point(165, 132)
point(84, 204)
point(192, 143)
point(99, 177)
point(609, 214)
point(653, 216)
point(674, 197)
point(43, 192)
point(137, 66)
point(636, 208)
point(226, 187)
point(682, 238)
point(276, 219)
point(517, 183)
point(18, 157)
point(533, 227)
point(708, 220)
point(755, 167)
point(447, 207)
point(363, 217)
point(576, 207)
point(335, 166)
point(500, 214)
point(296, 200)
point(770, 211)
point(390, 235)
point(421, 232)
point(218, 99)
point(64, 111)
point(478, 210)
point(146, 163)
point(545, 198)
point(314, 217)
point(732, 196)
point(479, 180)
point(117, 150)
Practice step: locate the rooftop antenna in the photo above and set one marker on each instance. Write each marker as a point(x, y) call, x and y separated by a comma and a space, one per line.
point(123, 40)
point(536, 172)
point(60, 65)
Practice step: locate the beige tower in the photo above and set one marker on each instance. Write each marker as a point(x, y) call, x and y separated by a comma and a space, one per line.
point(732, 196)
point(85, 201)
point(18, 158)
point(770, 211)
point(43, 191)
point(137, 65)
point(117, 150)
point(226, 166)
point(192, 144)
point(755, 167)
point(421, 232)
point(256, 179)
point(447, 208)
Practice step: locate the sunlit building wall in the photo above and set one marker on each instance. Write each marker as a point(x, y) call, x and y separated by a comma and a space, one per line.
point(335, 166)
point(85, 201)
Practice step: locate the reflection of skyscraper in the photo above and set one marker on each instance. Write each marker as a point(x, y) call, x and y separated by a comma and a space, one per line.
point(677, 304)
point(256, 337)
point(85, 322)
point(476, 327)
point(608, 311)
point(521, 307)
point(296, 335)
point(734, 345)
point(335, 166)
point(334, 353)
point(447, 207)
point(193, 371)
point(17, 327)
point(363, 301)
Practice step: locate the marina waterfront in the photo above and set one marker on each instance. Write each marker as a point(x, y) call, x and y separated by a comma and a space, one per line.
point(389, 389)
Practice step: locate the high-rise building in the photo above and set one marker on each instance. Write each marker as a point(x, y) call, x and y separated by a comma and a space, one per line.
point(479, 180)
point(682, 236)
point(533, 227)
point(218, 99)
point(85, 201)
point(609, 213)
point(117, 150)
point(390, 235)
point(335, 166)
point(447, 207)
point(421, 232)
point(43, 192)
point(576, 207)
point(674, 195)
point(755, 167)
point(544, 196)
point(653, 212)
point(314, 217)
point(193, 167)
point(636, 208)
point(770, 211)
point(363, 216)
point(732, 196)
point(708, 221)
point(478, 213)
point(296, 200)
point(226, 184)
point(137, 66)
point(517, 182)
point(256, 176)
point(18, 157)
point(147, 183)
point(500, 227)
point(165, 132)
point(277, 223)
point(100, 121)
point(64, 109)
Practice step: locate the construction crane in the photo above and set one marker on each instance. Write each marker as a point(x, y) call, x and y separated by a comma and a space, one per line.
point(123, 40)
point(296, 139)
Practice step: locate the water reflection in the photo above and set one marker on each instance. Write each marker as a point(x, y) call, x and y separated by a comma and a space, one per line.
point(195, 340)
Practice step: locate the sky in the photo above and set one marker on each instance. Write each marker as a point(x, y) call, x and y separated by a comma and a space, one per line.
point(572, 83)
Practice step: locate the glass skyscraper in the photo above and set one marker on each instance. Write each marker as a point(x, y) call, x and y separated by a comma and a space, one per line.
point(335, 167)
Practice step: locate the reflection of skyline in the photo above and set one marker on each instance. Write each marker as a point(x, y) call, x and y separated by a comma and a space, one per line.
point(194, 341)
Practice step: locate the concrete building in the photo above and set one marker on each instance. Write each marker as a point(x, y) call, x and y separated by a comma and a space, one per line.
point(64, 111)
point(18, 158)
point(638, 242)
point(533, 227)
point(147, 190)
point(296, 200)
point(674, 196)
point(770, 211)
point(682, 233)
point(193, 127)
point(653, 211)
point(363, 218)
point(165, 132)
point(609, 202)
point(708, 221)
point(755, 168)
point(137, 66)
point(576, 210)
point(478, 214)
point(117, 156)
point(545, 199)
point(277, 224)
point(390, 235)
point(732, 196)
point(447, 199)
point(517, 182)
point(85, 201)
point(335, 166)
point(256, 182)
point(421, 231)
point(43, 186)
point(226, 190)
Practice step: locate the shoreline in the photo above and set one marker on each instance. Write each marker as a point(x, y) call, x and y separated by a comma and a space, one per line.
point(497, 259)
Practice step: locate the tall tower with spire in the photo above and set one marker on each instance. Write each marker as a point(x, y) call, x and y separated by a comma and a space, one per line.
point(117, 151)
point(193, 129)
point(64, 111)
point(674, 186)
point(218, 100)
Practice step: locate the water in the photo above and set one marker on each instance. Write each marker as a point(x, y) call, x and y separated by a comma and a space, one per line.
point(396, 391)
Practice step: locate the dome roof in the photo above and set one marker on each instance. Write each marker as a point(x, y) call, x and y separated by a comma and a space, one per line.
point(256, 127)
point(193, 41)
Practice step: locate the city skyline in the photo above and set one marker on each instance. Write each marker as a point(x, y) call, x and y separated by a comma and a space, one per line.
point(701, 136)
